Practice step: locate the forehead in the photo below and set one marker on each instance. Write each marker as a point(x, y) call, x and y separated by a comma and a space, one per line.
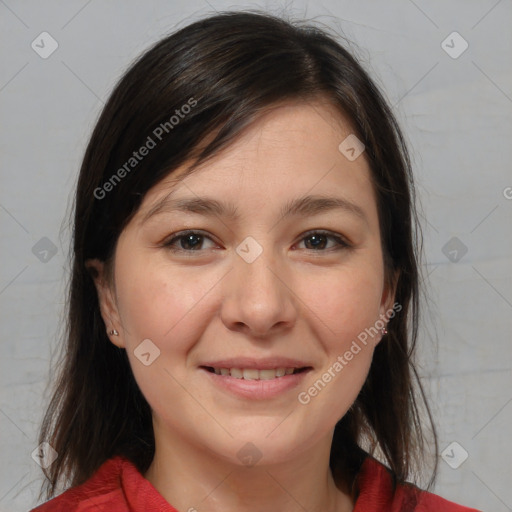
point(289, 151)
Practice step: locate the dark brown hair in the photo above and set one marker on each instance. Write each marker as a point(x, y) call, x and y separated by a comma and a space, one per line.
point(233, 65)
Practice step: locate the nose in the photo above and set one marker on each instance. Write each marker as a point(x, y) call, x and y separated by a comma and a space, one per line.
point(258, 298)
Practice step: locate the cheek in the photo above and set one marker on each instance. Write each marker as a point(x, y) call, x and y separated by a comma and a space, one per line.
point(346, 305)
point(170, 307)
point(345, 302)
point(167, 305)
point(331, 391)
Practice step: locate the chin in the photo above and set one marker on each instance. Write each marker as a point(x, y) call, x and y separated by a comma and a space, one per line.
point(264, 441)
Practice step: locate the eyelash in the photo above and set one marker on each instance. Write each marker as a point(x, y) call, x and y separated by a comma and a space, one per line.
point(342, 244)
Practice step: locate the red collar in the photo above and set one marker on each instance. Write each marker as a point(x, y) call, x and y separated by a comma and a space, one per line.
point(118, 486)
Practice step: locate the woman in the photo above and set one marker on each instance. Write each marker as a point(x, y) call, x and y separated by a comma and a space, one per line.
point(244, 298)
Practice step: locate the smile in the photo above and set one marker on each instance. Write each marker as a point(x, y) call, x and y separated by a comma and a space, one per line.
point(261, 381)
point(254, 373)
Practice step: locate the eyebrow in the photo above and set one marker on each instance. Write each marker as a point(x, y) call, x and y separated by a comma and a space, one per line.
point(303, 206)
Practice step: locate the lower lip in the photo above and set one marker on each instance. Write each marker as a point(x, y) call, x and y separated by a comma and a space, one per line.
point(257, 389)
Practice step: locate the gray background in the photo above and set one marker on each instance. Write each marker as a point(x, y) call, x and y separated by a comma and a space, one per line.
point(456, 113)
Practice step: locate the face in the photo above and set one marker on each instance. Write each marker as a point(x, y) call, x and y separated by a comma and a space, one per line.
point(241, 296)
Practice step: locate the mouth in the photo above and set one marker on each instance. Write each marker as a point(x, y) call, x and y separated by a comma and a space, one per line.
point(251, 378)
point(255, 373)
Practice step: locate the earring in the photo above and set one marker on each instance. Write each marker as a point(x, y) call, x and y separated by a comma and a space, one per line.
point(384, 331)
point(113, 332)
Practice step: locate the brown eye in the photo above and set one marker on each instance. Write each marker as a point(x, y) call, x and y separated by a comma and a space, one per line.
point(186, 241)
point(319, 240)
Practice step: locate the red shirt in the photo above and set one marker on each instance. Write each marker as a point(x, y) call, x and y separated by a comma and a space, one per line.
point(118, 486)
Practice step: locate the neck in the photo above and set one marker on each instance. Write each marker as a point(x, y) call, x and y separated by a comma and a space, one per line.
point(191, 479)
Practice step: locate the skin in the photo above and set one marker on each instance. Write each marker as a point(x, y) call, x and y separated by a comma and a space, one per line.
point(292, 301)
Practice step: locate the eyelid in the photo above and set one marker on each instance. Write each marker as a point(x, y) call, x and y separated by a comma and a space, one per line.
point(180, 234)
point(341, 241)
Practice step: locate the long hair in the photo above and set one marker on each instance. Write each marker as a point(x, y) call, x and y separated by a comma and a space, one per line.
point(228, 68)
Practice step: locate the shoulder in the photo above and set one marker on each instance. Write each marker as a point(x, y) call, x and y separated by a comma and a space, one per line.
point(376, 493)
point(103, 489)
point(431, 502)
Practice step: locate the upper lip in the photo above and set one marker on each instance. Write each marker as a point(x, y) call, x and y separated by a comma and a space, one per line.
point(259, 364)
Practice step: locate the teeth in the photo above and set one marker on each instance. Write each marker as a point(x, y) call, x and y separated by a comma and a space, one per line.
point(251, 374)
point(254, 374)
point(237, 373)
point(267, 374)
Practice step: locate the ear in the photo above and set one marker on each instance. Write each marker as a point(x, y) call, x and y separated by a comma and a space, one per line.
point(107, 301)
point(388, 293)
point(387, 310)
